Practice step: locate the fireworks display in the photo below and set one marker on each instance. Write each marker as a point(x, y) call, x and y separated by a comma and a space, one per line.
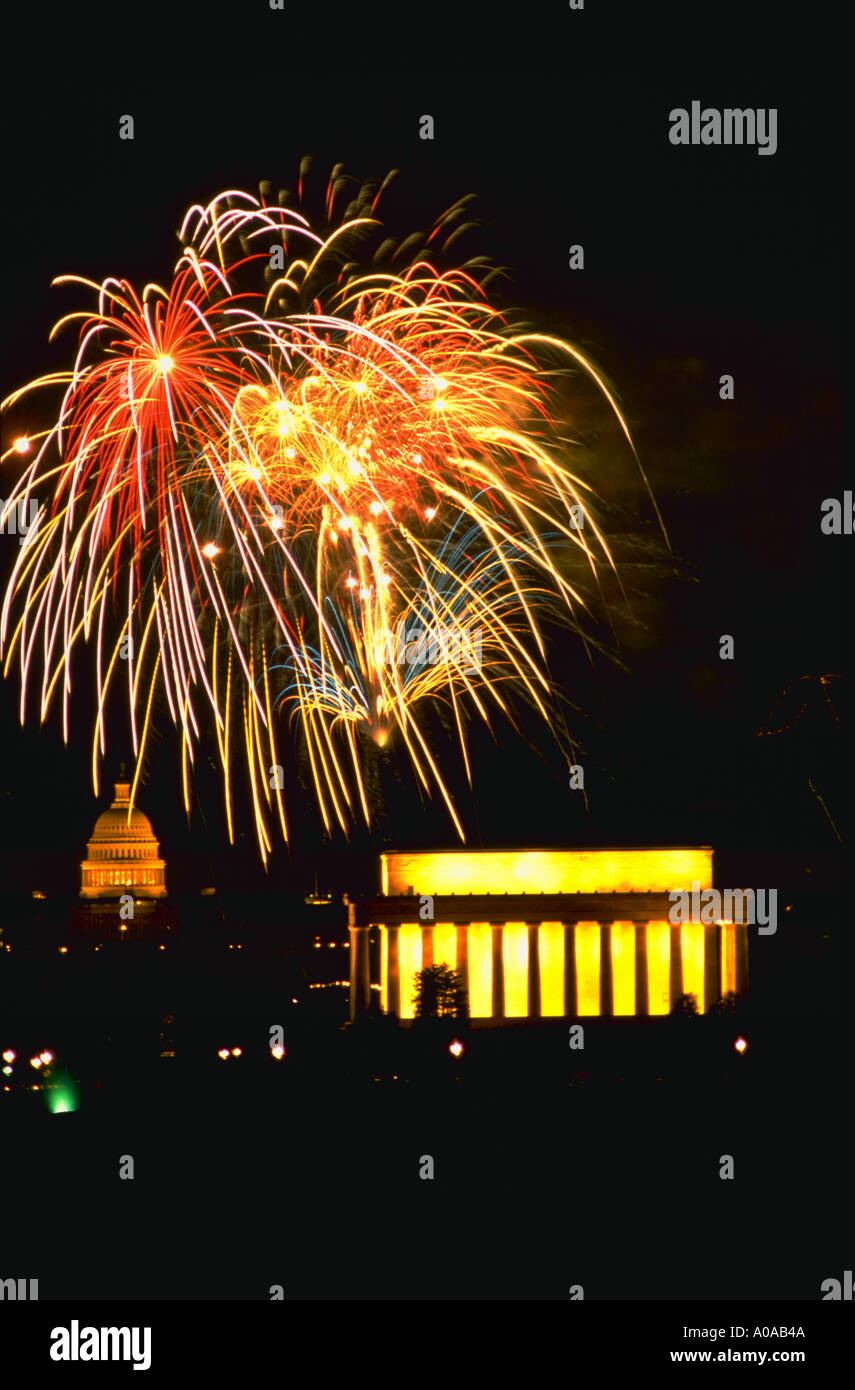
point(312, 489)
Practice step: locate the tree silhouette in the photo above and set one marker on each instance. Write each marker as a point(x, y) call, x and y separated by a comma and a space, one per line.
point(439, 993)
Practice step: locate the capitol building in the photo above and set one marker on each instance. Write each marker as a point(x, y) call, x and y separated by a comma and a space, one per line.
point(123, 854)
point(122, 878)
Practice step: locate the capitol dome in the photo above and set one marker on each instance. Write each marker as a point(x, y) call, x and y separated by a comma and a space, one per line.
point(123, 854)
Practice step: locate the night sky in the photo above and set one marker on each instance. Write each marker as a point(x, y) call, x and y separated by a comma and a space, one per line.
point(698, 261)
point(552, 1167)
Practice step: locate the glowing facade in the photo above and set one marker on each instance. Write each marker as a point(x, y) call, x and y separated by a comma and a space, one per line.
point(544, 934)
point(123, 854)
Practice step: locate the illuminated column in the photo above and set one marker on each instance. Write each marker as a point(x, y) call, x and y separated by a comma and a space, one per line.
point(498, 971)
point(571, 1008)
point(533, 971)
point(463, 955)
point(427, 946)
point(360, 977)
point(393, 980)
point(607, 1006)
point(741, 934)
point(719, 950)
point(675, 979)
point(641, 1007)
point(712, 965)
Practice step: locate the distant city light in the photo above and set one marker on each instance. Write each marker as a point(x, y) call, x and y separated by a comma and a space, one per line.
point(22, 445)
point(35, 1062)
point(224, 1053)
point(277, 1051)
point(237, 1052)
point(456, 1048)
point(7, 1071)
point(9, 1055)
point(47, 1057)
point(740, 1044)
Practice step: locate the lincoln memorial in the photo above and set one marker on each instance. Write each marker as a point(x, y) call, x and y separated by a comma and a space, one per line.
point(542, 933)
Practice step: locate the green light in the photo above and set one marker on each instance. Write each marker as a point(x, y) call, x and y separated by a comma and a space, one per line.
point(62, 1099)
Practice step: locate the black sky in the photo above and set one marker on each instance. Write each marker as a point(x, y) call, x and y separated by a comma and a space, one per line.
point(698, 262)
